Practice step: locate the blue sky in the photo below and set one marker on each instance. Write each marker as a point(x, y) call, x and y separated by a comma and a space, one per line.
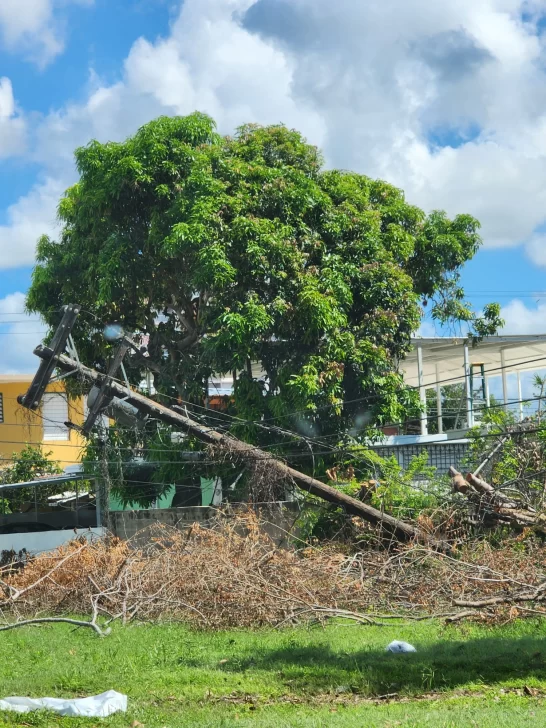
point(447, 101)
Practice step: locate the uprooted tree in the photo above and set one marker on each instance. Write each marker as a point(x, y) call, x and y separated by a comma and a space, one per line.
point(217, 252)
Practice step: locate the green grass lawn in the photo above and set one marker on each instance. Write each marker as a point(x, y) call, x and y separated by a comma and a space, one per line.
point(337, 676)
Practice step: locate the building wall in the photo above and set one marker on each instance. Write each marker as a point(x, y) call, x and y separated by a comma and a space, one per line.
point(21, 426)
point(278, 521)
point(37, 543)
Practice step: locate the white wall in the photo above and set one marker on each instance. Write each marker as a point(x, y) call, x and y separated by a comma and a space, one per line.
point(37, 543)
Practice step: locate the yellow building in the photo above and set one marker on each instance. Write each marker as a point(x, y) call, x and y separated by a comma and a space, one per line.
point(46, 427)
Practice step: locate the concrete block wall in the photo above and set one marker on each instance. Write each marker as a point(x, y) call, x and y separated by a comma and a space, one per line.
point(279, 520)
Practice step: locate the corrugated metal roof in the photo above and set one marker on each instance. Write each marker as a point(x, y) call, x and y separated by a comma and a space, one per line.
point(443, 357)
point(54, 480)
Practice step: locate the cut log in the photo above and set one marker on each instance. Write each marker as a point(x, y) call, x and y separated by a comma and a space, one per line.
point(458, 483)
point(487, 490)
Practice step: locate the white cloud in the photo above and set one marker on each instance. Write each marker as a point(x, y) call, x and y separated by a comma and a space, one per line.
point(19, 334)
point(536, 249)
point(521, 319)
point(33, 27)
point(383, 87)
point(30, 217)
point(388, 77)
point(12, 125)
point(208, 62)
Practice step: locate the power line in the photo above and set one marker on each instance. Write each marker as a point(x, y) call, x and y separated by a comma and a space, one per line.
point(295, 435)
point(258, 458)
point(369, 398)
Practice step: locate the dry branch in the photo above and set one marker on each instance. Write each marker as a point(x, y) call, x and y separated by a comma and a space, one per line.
point(65, 620)
point(229, 573)
point(16, 594)
point(330, 613)
point(538, 595)
point(14, 599)
point(494, 507)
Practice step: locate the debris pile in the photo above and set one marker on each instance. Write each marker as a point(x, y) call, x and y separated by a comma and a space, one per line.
point(231, 574)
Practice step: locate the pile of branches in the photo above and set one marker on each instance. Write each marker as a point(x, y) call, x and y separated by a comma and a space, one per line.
point(507, 485)
point(231, 574)
point(489, 506)
point(228, 574)
point(480, 581)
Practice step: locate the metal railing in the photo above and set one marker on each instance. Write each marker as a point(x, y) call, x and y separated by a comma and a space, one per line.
point(440, 455)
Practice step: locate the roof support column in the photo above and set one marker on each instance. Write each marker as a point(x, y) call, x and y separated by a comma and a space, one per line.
point(422, 390)
point(487, 393)
point(504, 380)
point(468, 392)
point(439, 402)
point(520, 398)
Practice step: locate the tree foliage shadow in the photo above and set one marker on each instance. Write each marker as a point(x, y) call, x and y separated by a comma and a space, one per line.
point(439, 666)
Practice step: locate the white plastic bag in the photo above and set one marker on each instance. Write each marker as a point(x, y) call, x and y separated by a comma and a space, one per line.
point(96, 706)
point(397, 646)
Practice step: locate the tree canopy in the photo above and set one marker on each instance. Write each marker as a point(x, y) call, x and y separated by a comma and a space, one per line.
point(220, 251)
point(29, 464)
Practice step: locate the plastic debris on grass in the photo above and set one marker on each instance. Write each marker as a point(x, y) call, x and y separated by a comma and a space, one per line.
point(95, 706)
point(398, 646)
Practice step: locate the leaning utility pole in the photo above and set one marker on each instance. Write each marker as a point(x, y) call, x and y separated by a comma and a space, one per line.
point(401, 530)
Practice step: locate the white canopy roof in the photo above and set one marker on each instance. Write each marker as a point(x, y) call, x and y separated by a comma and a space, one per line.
point(443, 358)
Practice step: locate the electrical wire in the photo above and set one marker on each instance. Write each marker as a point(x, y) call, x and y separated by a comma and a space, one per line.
point(296, 436)
point(344, 402)
point(291, 434)
point(368, 398)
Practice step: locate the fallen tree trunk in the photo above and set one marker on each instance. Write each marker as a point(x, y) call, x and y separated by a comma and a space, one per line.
point(492, 505)
point(401, 530)
point(458, 482)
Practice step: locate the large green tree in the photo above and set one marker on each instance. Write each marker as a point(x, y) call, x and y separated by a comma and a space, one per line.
point(228, 250)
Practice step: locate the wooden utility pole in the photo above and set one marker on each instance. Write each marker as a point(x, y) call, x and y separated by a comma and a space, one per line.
point(401, 530)
point(31, 400)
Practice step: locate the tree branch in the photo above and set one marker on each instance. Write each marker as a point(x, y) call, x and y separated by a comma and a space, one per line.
point(16, 594)
point(182, 315)
point(42, 620)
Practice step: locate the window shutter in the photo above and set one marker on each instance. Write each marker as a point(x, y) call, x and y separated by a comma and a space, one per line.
point(55, 414)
